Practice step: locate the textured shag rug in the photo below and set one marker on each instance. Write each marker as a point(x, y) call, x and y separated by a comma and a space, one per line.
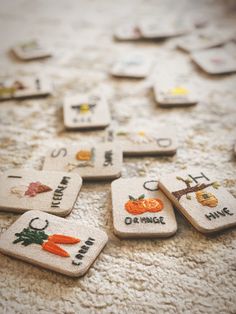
point(187, 273)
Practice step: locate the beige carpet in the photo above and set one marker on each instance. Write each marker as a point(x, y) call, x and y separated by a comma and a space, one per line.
point(187, 273)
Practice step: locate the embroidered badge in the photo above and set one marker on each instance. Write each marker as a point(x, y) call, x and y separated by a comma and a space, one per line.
point(203, 197)
point(32, 190)
point(48, 242)
point(140, 205)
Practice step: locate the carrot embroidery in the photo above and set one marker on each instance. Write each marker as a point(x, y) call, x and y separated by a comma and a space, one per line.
point(48, 243)
point(54, 249)
point(140, 205)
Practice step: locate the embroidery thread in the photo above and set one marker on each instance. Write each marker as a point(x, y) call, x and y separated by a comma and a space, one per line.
point(48, 242)
point(85, 158)
point(140, 205)
point(32, 189)
point(203, 197)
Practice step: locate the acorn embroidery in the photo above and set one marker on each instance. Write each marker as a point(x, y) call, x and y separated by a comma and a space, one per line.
point(48, 243)
point(140, 205)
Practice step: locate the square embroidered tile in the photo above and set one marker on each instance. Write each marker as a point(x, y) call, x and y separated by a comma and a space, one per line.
point(22, 88)
point(102, 161)
point(175, 91)
point(203, 201)
point(53, 192)
point(127, 32)
point(30, 50)
point(140, 209)
point(86, 112)
point(131, 66)
point(53, 243)
point(215, 60)
point(161, 30)
point(140, 143)
point(203, 40)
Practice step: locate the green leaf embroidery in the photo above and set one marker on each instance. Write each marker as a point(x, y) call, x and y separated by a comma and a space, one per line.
point(188, 197)
point(28, 236)
point(132, 198)
point(141, 197)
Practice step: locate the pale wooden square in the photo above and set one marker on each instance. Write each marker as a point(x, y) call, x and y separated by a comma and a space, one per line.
point(86, 112)
point(32, 87)
point(81, 254)
point(215, 60)
point(208, 206)
point(147, 224)
point(103, 161)
point(131, 66)
point(203, 40)
point(174, 91)
point(31, 50)
point(137, 142)
point(58, 201)
point(163, 29)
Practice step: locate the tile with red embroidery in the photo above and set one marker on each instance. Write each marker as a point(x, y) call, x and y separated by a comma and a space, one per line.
point(203, 39)
point(216, 60)
point(205, 203)
point(127, 32)
point(86, 112)
point(175, 90)
point(132, 65)
point(98, 162)
point(53, 243)
point(25, 87)
point(26, 189)
point(135, 141)
point(141, 209)
point(31, 50)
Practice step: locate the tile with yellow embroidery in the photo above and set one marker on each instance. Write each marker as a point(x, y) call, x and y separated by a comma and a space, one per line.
point(31, 50)
point(137, 141)
point(24, 87)
point(86, 112)
point(26, 189)
point(175, 91)
point(53, 243)
point(204, 202)
point(141, 209)
point(100, 161)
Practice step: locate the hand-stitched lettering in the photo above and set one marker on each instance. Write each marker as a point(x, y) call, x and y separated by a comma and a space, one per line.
point(58, 193)
point(82, 251)
point(144, 220)
point(151, 185)
point(108, 158)
point(56, 153)
point(218, 214)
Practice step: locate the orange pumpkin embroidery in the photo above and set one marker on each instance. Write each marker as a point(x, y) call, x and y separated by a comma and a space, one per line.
point(140, 205)
point(84, 155)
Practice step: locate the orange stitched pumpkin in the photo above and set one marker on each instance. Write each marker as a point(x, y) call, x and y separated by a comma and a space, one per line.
point(83, 155)
point(141, 205)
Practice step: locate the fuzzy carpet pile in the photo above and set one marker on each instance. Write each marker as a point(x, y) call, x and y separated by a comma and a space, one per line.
point(187, 273)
